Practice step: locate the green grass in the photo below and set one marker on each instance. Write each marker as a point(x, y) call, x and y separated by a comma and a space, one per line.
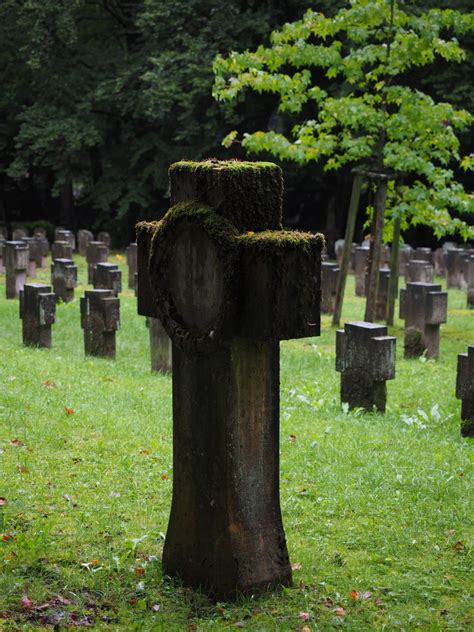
point(377, 504)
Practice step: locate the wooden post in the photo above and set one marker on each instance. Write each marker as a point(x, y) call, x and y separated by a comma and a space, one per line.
point(379, 212)
point(393, 280)
point(346, 254)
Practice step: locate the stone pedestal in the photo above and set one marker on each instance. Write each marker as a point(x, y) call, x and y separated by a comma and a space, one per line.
point(329, 281)
point(16, 258)
point(100, 319)
point(365, 357)
point(66, 235)
point(465, 391)
point(105, 238)
point(64, 279)
point(108, 276)
point(61, 250)
point(160, 346)
point(361, 257)
point(454, 268)
point(423, 307)
point(84, 237)
point(38, 312)
point(227, 284)
point(132, 265)
point(97, 252)
point(419, 271)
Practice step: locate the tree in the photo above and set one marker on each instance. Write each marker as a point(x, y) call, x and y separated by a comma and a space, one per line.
point(370, 118)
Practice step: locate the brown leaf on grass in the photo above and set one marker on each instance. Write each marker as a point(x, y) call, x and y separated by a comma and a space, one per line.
point(301, 585)
point(292, 438)
point(26, 602)
point(296, 566)
point(164, 477)
point(16, 443)
point(3, 501)
point(69, 411)
point(340, 612)
point(49, 384)
point(6, 537)
point(139, 571)
point(354, 594)
point(458, 546)
point(22, 469)
point(144, 452)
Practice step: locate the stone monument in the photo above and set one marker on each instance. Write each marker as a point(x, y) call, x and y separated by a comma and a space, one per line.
point(64, 279)
point(465, 391)
point(37, 312)
point(16, 260)
point(100, 319)
point(423, 307)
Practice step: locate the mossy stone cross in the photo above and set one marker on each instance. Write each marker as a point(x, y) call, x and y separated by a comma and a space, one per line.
point(228, 284)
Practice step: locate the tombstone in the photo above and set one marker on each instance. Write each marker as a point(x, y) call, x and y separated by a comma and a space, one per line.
point(66, 235)
point(423, 254)
point(132, 265)
point(42, 252)
point(465, 390)
point(84, 237)
point(228, 284)
point(16, 260)
point(39, 231)
point(38, 313)
point(100, 319)
point(64, 279)
point(470, 282)
point(108, 276)
point(404, 257)
point(454, 268)
point(419, 271)
point(361, 257)
point(386, 250)
point(365, 358)
point(160, 346)
point(105, 238)
point(382, 293)
point(423, 307)
point(2, 264)
point(33, 254)
point(440, 261)
point(61, 250)
point(97, 252)
point(19, 233)
point(329, 281)
point(338, 250)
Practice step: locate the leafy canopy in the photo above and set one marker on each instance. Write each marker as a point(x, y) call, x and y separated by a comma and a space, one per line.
point(369, 116)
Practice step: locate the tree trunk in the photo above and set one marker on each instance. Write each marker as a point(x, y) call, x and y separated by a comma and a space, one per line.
point(393, 280)
point(377, 234)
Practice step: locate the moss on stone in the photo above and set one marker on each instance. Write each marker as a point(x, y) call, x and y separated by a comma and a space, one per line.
point(276, 241)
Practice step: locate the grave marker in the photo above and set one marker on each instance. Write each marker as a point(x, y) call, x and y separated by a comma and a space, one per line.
point(84, 237)
point(470, 282)
point(329, 281)
point(454, 268)
point(465, 390)
point(97, 252)
point(37, 312)
point(105, 238)
point(132, 264)
point(108, 276)
point(64, 278)
point(423, 307)
point(160, 346)
point(61, 250)
point(100, 319)
point(419, 271)
point(16, 259)
point(361, 258)
point(66, 235)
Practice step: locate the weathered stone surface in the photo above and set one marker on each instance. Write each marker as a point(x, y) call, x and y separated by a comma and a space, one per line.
point(382, 293)
point(16, 260)
point(19, 233)
point(100, 319)
point(108, 276)
point(465, 390)
point(34, 254)
point(454, 268)
point(38, 312)
point(64, 279)
point(470, 282)
point(39, 231)
point(226, 290)
point(66, 235)
point(423, 254)
point(97, 252)
point(361, 257)
point(84, 237)
point(160, 346)
point(365, 357)
point(329, 280)
point(440, 261)
point(419, 271)
point(61, 250)
point(105, 238)
point(423, 307)
point(404, 257)
point(132, 264)
point(42, 251)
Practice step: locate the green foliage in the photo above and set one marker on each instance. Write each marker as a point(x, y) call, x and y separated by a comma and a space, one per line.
point(346, 81)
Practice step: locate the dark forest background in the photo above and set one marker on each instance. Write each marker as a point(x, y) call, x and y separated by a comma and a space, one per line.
point(99, 97)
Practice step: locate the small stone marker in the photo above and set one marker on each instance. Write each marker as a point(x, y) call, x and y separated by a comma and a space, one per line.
point(39, 231)
point(100, 319)
point(132, 264)
point(34, 255)
point(454, 268)
point(66, 235)
point(361, 257)
point(161, 349)
point(439, 257)
point(228, 285)
point(108, 276)
point(465, 390)
point(38, 313)
point(61, 250)
point(105, 238)
point(382, 293)
point(423, 307)
point(423, 254)
point(16, 258)
point(42, 251)
point(329, 281)
point(84, 237)
point(404, 257)
point(97, 252)
point(64, 279)
point(19, 233)
point(470, 282)
point(365, 358)
point(419, 271)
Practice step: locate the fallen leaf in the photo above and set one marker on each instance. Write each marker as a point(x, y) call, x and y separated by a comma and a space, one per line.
point(6, 537)
point(3, 501)
point(296, 566)
point(94, 562)
point(22, 469)
point(164, 477)
point(301, 585)
point(250, 232)
point(69, 411)
point(354, 594)
point(458, 546)
point(304, 616)
point(26, 602)
point(16, 443)
point(139, 571)
point(366, 595)
point(292, 438)
point(49, 384)
point(340, 612)
point(145, 452)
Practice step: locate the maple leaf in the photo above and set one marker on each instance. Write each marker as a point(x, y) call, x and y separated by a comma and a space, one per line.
point(16, 443)
point(49, 384)
point(69, 411)
point(139, 571)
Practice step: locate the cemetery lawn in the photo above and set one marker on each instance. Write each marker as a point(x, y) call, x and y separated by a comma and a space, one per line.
point(377, 508)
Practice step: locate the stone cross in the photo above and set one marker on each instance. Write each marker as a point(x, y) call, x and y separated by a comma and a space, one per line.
point(365, 358)
point(132, 264)
point(419, 271)
point(42, 251)
point(38, 313)
point(361, 257)
point(84, 237)
point(465, 390)
point(454, 268)
point(470, 282)
point(64, 279)
point(228, 284)
point(100, 319)
point(108, 276)
point(66, 235)
point(97, 252)
point(16, 259)
point(423, 307)
point(329, 281)
point(61, 250)
point(105, 238)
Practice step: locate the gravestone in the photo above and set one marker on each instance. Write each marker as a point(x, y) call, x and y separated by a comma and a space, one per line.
point(361, 257)
point(97, 252)
point(16, 259)
point(404, 257)
point(470, 282)
point(42, 251)
point(382, 293)
point(454, 268)
point(19, 233)
point(66, 235)
point(329, 281)
point(228, 284)
point(160, 346)
point(61, 250)
point(465, 390)
point(84, 237)
point(365, 358)
point(423, 307)
point(440, 261)
point(38, 313)
point(57, 231)
point(423, 254)
point(100, 319)
point(64, 279)
point(419, 271)
point(108, 276)
point(105, 238)
point(132, 265)
point(39, 231)
point(34, 255)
